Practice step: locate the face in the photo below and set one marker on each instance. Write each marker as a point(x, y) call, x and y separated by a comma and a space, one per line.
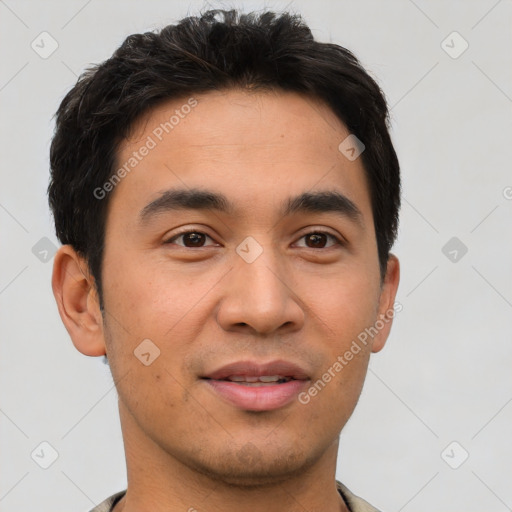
point(241, 246)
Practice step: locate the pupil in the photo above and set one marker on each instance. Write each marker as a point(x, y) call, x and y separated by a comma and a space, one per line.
point(317, 239)
point(195, 239)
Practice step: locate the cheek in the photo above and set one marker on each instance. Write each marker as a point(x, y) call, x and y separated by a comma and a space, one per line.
point(151, 302)
point(341, 309)
point(345, 303)
point(148, 298)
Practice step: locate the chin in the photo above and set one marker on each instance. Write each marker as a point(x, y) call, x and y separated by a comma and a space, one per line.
point(250, 467)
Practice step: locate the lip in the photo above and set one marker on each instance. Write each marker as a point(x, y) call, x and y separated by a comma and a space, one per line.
point(266, 397)
point(252, 368)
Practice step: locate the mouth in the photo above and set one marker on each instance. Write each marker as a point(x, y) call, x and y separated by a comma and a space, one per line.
point(257, 387)
point(254, 381)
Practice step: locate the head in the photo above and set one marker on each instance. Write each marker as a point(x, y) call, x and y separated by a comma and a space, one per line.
point(202, 190)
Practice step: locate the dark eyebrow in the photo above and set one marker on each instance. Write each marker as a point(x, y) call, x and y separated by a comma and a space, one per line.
point(186, 199)
point(198, 199)
point(325, 201)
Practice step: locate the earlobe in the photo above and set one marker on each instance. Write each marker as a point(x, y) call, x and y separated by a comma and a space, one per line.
point(77, 301)
point(387, 310)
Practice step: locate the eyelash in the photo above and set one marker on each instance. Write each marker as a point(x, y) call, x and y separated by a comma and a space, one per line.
point(337, 240)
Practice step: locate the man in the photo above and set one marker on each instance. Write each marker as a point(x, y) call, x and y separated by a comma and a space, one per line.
point(227, 194)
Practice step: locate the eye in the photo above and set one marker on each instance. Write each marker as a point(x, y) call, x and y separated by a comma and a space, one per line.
point(190, 239)
point(319, 240)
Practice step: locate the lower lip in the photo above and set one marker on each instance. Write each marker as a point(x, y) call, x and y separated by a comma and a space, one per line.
point(257, 398)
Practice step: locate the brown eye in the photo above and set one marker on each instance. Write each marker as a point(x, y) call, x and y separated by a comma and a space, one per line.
point(194, 239)
point(316, 240)
point(320, 240)
point(190, 239)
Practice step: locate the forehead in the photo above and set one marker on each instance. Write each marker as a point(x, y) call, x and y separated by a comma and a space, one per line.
point(248, 145)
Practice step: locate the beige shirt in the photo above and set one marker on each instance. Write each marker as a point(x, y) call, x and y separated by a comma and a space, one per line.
point(354, 503)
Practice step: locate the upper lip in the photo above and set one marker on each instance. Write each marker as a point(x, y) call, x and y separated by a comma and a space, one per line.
point(255, 369)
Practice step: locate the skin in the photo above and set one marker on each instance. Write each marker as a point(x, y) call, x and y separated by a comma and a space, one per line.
point(186, 448)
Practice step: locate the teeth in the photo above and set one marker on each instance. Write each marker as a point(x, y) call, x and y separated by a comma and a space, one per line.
point(270, 378)
point(238, 378)
point(253, 384)
point(253, 379)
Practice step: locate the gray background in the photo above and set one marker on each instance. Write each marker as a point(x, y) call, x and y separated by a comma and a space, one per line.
point(445, 374)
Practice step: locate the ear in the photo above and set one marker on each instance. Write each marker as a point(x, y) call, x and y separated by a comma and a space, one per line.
point(77, 299)
point(386, 310)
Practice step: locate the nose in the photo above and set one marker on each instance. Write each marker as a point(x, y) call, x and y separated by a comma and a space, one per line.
point(259, 298)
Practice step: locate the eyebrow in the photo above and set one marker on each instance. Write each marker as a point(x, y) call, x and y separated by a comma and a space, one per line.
point(199, 199)
point(323, 202)
point(185, 199)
